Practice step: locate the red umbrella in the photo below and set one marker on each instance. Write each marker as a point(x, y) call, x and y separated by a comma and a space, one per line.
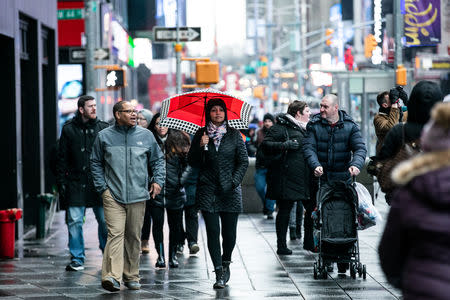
point(187, 111)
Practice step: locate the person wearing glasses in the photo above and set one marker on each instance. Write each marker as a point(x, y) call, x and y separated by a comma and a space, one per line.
point(144, 117)
point(121, 159)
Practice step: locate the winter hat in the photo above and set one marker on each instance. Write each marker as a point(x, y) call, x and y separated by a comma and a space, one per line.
point(270, 117)
point(423, 96)
point(436, 133)
point(215, 102)
point(148, 115)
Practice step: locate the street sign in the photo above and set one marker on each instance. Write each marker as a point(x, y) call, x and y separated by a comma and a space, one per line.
point(101, 54)
point(79, 54)
point(70, 14)
point(169, 34)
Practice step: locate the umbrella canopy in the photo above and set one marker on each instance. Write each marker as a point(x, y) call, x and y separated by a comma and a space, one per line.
point(187, 111)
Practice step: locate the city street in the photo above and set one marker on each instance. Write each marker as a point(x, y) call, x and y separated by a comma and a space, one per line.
point(256, 272)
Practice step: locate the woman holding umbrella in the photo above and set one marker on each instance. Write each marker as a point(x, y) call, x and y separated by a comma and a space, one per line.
point(219, 152)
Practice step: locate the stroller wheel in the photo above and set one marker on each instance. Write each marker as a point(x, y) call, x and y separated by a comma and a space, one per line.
point(364, 272)
point(315, 270)
point(353, 271)
point(359, 269)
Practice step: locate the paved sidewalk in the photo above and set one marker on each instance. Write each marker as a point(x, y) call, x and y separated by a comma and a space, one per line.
point(256, 272)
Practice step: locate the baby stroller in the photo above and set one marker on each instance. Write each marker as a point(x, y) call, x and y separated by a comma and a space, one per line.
point(335, 223)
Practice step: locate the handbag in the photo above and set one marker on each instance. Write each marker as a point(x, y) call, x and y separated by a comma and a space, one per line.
point(407, 150)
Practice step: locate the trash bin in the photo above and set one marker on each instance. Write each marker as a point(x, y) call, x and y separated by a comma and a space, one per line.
point(45, 200)
point(8, 220)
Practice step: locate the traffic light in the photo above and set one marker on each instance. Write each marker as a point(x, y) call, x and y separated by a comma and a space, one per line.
point(264, 71)
point(329, 36)
point(258, 92)
point(370, 43)
point(207, 72)
point(400, 75)
point(115, 78)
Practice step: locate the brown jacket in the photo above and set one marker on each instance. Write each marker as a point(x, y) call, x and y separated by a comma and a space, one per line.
point(383, 123)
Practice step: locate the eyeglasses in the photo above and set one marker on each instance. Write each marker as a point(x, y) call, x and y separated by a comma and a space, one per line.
point(129, 111)
point(142, 119)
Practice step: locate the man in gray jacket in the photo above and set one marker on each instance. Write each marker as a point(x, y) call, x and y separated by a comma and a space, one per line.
point(121, 159)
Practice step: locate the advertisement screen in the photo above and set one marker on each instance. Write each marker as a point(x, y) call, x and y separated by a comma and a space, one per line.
point(70, 87)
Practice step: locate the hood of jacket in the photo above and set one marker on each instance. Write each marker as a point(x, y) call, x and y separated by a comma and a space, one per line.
point(428, 175)
point(423, 96)
point(285, 121)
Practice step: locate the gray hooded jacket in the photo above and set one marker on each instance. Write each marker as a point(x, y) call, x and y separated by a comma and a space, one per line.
point(120, 159)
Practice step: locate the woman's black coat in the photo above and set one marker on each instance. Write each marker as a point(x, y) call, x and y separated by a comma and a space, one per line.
point(220, 172)
point(288, 175)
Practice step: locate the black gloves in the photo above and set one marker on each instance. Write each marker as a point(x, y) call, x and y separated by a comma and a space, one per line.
point(291, 145)
point(398, 93)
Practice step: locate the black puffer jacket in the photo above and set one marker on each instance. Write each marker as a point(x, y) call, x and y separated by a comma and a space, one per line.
point(221, 172)
point(172, 195)
point(290, 178)
point(73, 164)
point(334, 148)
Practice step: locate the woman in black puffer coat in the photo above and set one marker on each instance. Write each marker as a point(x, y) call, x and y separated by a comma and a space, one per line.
point(221, 170)
point(288, 175)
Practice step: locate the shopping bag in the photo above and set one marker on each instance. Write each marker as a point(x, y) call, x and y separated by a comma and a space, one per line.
point(368, 215)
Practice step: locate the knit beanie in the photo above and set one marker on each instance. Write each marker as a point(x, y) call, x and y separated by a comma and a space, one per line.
point(215, 102)
point(423, 96)
point(148, 115)
point(436, 133)
point(270, 117)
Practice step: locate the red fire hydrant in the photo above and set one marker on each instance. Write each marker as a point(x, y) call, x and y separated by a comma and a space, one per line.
point(7, 231)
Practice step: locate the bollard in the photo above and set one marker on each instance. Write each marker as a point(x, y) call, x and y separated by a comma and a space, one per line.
point(45, 200)
point(8, 220)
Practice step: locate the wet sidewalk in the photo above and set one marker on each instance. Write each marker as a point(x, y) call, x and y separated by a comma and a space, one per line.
point(256, 272)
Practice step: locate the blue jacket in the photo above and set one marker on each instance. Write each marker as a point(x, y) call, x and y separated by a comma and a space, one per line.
point(120, 159)
point(334, 148)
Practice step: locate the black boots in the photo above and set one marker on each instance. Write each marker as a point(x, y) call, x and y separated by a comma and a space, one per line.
point(220, 282)
point(160, 262)
point(173, 260)
point(226, 270)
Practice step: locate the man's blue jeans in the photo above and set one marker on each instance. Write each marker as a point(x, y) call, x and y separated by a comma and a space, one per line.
point(75, 221)
point(260, 185)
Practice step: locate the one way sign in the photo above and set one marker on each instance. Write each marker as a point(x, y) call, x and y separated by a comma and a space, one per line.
point(169, 34)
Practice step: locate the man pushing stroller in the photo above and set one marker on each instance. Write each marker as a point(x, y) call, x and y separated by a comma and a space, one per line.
point(333, 147)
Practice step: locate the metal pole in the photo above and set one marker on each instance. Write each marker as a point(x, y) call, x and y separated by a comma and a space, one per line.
point(300, 53)
point(255, 13)
point(89, 21)
point(177, 52)
point(269, 103)
point(398, 28)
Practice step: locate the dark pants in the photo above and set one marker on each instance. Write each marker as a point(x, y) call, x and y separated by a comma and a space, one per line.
point(229, 225)
point(282, 222)
point(191, 221)
point(145, 234)
point(175, 219)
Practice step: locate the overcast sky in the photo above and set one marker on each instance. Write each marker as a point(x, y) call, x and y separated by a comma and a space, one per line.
point(225, 18)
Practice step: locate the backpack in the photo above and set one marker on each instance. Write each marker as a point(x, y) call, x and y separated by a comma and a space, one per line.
point(385, 167)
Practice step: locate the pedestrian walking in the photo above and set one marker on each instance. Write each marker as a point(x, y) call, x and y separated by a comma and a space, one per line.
point(261, 167)
point(75, 184)
point(333, 147)
point(288, 175)
point(144, 118)
point(423, 96)
point(189, 181)
point(414, 247)
point(121, 158)
point(219, 197)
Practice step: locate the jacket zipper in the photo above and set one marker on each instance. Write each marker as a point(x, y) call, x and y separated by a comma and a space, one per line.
point(126, 162)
